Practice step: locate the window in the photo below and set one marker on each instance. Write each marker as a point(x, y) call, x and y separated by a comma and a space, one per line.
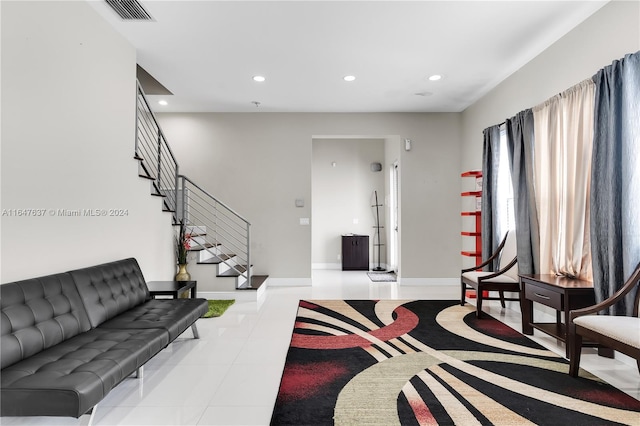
point(505, 207)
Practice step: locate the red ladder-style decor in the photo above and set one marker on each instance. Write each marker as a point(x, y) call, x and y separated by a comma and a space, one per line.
point(477, 233)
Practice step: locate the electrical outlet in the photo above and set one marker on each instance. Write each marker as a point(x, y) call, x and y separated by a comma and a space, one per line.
point(339, 257)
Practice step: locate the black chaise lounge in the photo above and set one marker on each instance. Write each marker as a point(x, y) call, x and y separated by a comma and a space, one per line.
point(69, 338)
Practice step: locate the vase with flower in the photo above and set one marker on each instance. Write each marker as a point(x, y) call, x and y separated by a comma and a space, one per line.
point(183, 244)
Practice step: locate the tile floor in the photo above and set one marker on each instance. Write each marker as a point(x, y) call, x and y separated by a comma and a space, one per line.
point(230, 376)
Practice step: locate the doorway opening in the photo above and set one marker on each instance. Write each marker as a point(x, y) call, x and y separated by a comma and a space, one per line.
point(346, 172)
point(392, 263)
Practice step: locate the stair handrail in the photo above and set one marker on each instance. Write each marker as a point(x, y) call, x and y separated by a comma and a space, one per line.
point(160, 132)
point(238, 215)
point(166, 171)
point(229, 229)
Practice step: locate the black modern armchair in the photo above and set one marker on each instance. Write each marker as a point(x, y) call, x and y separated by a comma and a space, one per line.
point(619, 332)
point(505, 278)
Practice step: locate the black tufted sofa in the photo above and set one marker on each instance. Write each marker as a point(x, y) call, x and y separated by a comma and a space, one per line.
point(69, 338)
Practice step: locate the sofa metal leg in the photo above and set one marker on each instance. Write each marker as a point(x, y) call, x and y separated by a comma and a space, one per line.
point(140, 373)
point(195, 331)
point(87, 418)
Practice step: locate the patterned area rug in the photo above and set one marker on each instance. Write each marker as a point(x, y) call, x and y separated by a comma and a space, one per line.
point(382, 276)
point(390, 362)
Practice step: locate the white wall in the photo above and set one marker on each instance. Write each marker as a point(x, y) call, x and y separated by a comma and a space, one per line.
point(342, 194)
point(68, 122)
point(607, 35)
point(259, 163)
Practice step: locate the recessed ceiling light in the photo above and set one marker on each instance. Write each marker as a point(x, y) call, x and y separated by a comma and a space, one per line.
point(435, 77)
point(258, 78)
point(349, 77)
point(163, 102)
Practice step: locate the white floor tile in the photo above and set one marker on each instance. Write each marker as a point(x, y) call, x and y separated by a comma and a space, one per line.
point(246, 416)
point(253, 384)
point(141, 415)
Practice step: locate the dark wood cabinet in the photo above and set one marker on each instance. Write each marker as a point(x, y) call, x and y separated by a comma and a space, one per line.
point(355, 252)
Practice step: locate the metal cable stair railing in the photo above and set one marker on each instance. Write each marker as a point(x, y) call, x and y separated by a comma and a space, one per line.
point(156, 161)
point(219, 235)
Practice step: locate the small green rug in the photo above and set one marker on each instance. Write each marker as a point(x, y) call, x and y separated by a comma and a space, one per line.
point(218, 307)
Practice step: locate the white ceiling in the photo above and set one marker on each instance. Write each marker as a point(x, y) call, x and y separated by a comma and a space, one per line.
point(206, 52)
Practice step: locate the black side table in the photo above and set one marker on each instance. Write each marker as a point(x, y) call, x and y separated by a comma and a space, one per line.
point(171, 288)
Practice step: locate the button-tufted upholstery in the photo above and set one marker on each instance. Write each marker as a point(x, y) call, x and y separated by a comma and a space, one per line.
point(68, 339)
point(37, 314)
point(110, 289)
point(73, 376)
point(172, 315)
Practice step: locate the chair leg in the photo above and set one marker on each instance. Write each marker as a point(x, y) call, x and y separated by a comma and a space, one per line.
point(575, 350)
point(479, 302)
point(463, 289)
point(502, 298)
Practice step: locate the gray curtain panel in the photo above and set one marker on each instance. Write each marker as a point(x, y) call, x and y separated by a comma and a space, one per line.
point(615, 179)
point(491, 235)
point(520, 145)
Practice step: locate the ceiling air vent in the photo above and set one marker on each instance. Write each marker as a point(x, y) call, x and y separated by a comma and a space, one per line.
point(129, 10)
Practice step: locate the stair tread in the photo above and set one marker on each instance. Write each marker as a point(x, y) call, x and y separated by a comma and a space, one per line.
point(196, 235)
point(145, 172)
point(256, 282)
point(216, 259)
point(201, 247)
point(232, 272)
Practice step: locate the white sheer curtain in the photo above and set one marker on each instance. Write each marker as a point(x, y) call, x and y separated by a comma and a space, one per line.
point(563, 128)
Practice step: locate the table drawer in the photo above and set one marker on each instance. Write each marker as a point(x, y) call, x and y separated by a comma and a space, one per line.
point(544, 296)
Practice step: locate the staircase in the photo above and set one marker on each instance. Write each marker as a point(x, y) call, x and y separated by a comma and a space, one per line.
point(220, 237)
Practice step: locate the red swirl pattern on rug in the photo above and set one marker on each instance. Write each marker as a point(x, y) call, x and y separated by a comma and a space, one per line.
point(430, 362)
point(404, 323)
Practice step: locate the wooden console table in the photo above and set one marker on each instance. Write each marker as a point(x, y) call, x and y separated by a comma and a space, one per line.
point(560, 293)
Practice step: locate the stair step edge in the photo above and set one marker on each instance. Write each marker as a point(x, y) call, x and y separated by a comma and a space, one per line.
point(216, 259)
point(256, 282)
point(201, 247)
